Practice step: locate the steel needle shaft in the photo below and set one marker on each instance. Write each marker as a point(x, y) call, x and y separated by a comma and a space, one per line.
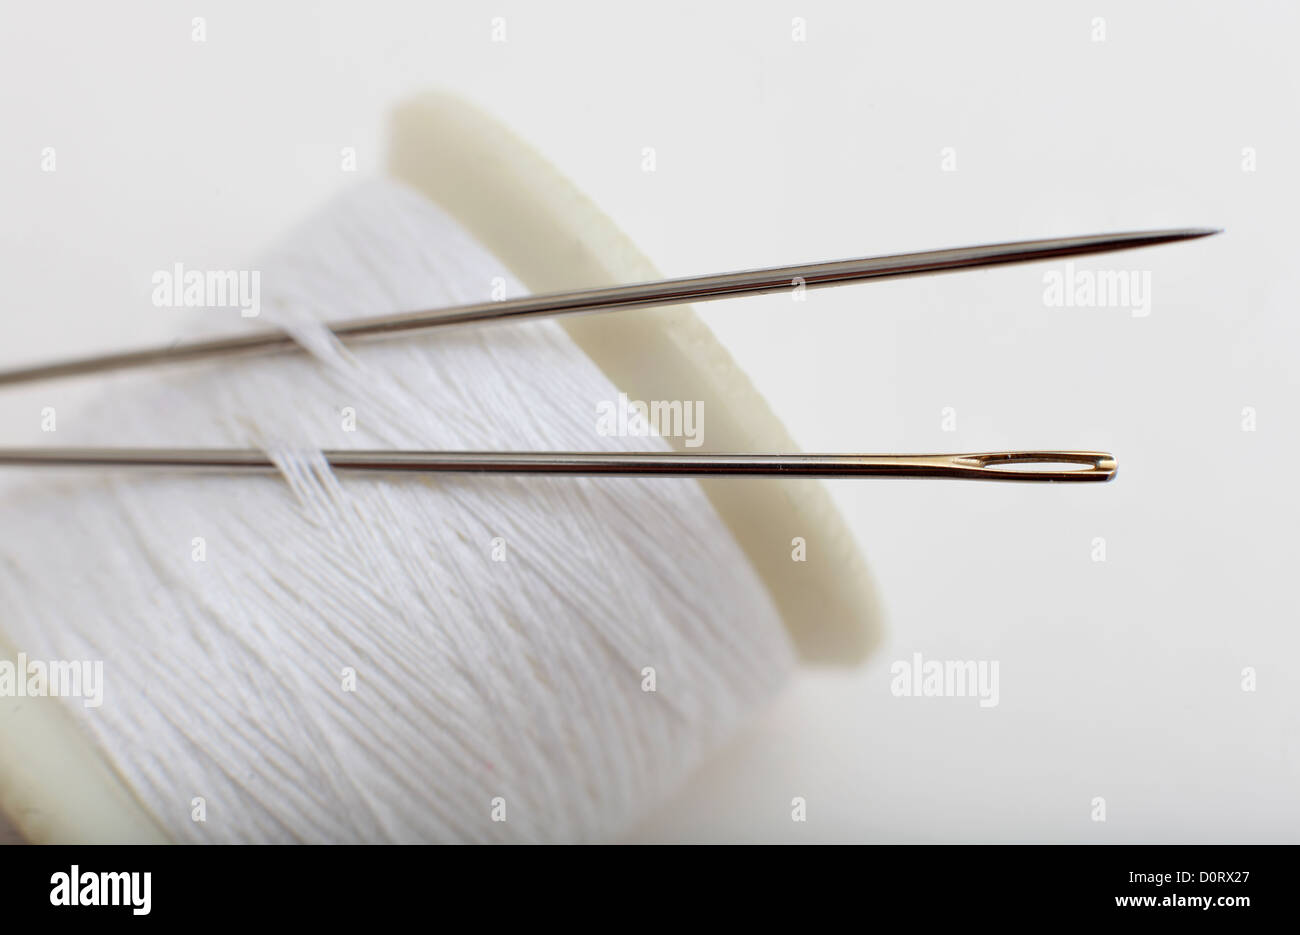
point(639, 295)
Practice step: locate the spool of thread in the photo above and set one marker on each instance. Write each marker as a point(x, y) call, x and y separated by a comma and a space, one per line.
point(306, 657)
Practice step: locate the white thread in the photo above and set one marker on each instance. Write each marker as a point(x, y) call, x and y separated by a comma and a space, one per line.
point(476, 679)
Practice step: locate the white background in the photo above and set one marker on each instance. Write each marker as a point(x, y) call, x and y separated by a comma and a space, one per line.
point(1119, 679)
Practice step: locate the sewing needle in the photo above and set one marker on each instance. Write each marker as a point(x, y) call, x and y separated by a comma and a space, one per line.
point(638, 295)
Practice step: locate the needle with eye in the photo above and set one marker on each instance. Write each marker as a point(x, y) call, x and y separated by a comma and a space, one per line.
point(1097, 466)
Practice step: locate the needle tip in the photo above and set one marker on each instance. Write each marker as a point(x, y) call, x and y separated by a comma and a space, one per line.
point(1152, 238)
